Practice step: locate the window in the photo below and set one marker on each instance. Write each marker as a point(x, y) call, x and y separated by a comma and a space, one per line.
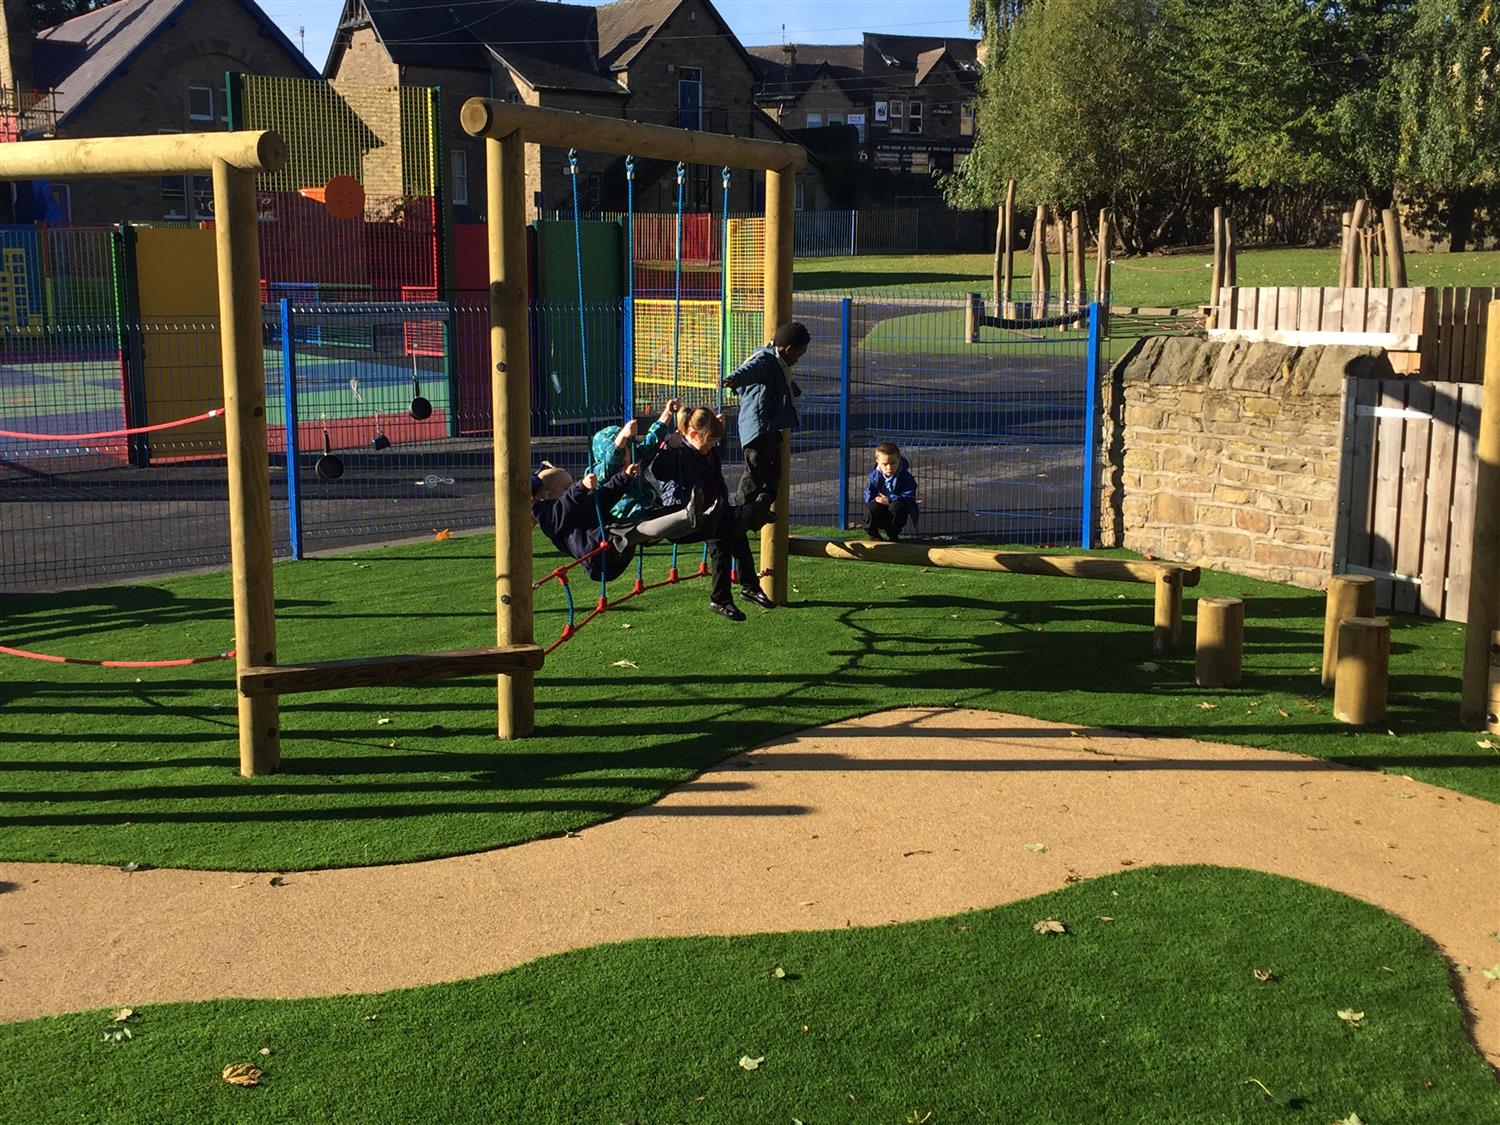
point(460, 186)
point(203, 198)
point(835, 119)
point(801, 196)
point(814, 120)
point(200, 103)
point(919, 163)
point(880, 113)
point(858, 121)
point(593, 191)
point(914, 116)
point(898, 113)
point(689, 97)
point(966, 119)
point(173, 197)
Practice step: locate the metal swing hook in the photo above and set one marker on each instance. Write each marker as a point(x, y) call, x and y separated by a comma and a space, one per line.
point(681, 171)
point(630, 167)
point(572, 162)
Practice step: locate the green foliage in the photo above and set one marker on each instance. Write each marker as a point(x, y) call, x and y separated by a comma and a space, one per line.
point(1450, 125)
point(1081, 106)
point(42, 14)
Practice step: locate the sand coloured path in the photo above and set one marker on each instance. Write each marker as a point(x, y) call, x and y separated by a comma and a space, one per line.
point(897, 816)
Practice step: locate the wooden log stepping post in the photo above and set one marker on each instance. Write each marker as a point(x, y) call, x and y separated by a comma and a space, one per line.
point(1359, 693)
point(1349, 595)
point(1167, 627)
point(1220, 642)
point(1492, 713)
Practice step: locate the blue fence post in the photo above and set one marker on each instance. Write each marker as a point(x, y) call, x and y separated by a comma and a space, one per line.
point(1091, 429)
point(289, 424)
point(627, 331)
point(844, 307)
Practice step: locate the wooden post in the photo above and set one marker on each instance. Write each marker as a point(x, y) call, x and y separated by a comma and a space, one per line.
point(1346, 248)
point(1349, 595)
point(1395, 253)
point(1359, 692)
point(1220, 642)
point(973, 316)
point(1359, 263)
point(1064, 262)
point(1041, 268)
point(236, 242)
point(1102, 275)
point(1231, 259)
point(1484, 560)
point(1080, 285)
point(780, 214)
point(1008, 265)
point(1167, 633)
point(510, 386)
point(1216, 279)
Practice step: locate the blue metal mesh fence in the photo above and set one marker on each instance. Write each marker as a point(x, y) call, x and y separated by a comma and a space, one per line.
point(994, 429)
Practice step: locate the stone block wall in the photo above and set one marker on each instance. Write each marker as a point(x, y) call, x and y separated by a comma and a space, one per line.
point(1226, 454)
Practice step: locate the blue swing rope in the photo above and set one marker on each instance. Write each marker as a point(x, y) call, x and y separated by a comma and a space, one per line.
point(724, 290)
point(583, 343)
point(677, 299)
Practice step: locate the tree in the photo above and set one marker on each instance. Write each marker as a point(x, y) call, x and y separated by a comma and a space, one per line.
point(994, 17)
point(1082, 109)
point(1450, 124)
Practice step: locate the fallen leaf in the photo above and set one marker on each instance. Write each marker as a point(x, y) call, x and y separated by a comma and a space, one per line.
point(1352, 1119)
point(372, 1016)
point(1280, 1098)
point(277, 881)
point(626, 625)
point(1036, 848)
point(444, 534)
point(1351, 1017)
point(809, 902)
point(1283, 712)
point(1149, 667)
point(1265, 976)
point(1049, 926)
point(1405, 796)
point(129, 867)
point(117, 1034)
point(264, 1051)
point(747, 1063)
point(122, 1015)
point(626, 664)
point(1207, 706)
point(382, 722)
point(1103, 918)
point(1485, 744)
point(242, 1074)
point(1492, 973)
point(779, 973)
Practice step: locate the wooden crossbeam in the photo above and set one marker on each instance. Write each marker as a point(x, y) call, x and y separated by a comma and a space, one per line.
point(379, 671)
point(979, 558)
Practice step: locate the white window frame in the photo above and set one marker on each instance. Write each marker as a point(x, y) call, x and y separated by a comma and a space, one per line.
point(458, 185)
point(881, 111)
point(193, 116)
point(800, 197)
point(914, 117)
point(897, 122)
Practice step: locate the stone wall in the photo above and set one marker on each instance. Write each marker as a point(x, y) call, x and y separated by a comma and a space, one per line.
point(1226, 454)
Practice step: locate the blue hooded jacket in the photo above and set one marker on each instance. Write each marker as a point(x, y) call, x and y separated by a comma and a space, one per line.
point(765, 392)
point(607, 459)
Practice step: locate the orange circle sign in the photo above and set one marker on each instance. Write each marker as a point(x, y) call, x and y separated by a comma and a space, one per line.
point(344, 197)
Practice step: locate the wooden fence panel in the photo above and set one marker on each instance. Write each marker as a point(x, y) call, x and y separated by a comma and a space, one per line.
point(1406, 492)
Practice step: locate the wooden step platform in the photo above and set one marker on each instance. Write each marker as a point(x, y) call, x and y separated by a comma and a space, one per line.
point(980, 558)
point(378, 671)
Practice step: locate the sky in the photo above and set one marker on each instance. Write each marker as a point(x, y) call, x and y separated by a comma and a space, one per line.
point(756, 22)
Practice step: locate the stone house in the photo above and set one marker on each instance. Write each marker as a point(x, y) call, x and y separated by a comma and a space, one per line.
point(911, 97)
point(664, 62)
point(141, 66)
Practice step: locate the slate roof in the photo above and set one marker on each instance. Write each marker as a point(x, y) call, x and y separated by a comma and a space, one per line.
point(626, 26)
point(892, 57)
point(79, 57)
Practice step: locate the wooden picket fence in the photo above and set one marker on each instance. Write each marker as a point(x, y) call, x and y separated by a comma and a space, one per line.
point(1437, 333)
point(1407, 468)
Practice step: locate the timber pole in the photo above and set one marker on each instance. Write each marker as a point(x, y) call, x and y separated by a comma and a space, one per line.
point(1008, 262)
point(1041, 268)
point(1484, 564)
point(780, 215)
point(1359, 691)
point(1395, 252)
point(236, 242)
point(510, 384)
point(1220, 641)
point(1349, 595)
point(1216, 279)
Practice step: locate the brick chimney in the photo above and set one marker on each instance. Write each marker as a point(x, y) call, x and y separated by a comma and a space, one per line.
point(16, 38)
point(789, 57)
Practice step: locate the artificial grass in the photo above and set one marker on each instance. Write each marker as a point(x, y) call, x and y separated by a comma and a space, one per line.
point(1164, 280)
point(1147, 1010)
point(112, 766)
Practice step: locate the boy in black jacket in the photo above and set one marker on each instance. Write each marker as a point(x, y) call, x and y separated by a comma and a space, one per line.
point(569, 514)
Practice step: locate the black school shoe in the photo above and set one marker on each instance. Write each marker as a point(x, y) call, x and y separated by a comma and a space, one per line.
point(729, 610)
point(751, 594)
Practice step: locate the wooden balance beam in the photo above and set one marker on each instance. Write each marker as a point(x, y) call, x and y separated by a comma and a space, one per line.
point(286, 679)
point(1169, 578)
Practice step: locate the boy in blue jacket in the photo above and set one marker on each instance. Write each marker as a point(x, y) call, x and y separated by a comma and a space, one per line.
point(764, 384)
point(890, 493)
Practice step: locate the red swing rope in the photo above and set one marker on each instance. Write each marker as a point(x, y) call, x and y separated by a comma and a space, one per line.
point(127, 432)
point(52, 659)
